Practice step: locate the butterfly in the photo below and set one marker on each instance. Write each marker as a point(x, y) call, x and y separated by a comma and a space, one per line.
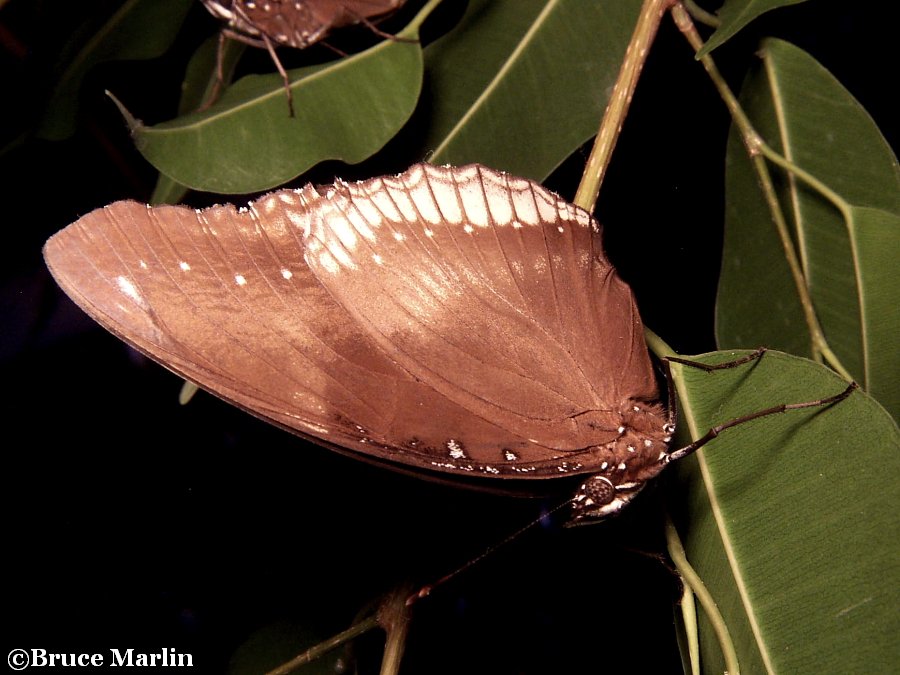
point(291, 23)
point(457, 321)
point(295, 23)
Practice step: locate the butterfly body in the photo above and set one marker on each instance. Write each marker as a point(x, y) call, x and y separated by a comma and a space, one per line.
point(295, 23)
point(451, 320)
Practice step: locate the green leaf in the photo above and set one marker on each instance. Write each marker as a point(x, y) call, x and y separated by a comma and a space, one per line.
point(140, 29)
point(875, 237)
point(485, 77)
point(735, 14)
point(200, 77)
point(803, 112)
point(246, 142)
point(791, 520)
point(200, 81)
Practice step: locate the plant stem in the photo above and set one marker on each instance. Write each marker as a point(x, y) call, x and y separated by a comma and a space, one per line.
point(692, 634)
point(323, 648)
point(759, 151)
point(648, 22)
point(394, 616)
point(693, 580)
point(657, 345)
point(701, 15)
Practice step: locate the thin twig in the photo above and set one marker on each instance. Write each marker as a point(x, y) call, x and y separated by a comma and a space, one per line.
point(322, 648)
point(693, 580)
point(617, 109)
point(759, 151)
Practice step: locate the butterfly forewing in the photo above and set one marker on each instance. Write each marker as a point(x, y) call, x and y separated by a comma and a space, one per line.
point(445, 318)
point(483, 286)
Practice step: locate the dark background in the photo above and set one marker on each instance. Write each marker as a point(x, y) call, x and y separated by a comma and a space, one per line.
point(131, 521)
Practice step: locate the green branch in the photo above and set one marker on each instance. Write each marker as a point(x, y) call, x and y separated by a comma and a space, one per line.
point(693, 580)
point(759, 151)
point(648, 22)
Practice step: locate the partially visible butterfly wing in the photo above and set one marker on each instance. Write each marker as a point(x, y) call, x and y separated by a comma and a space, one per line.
point(491, 290)
point(300, 23)
point(339, 13)
point(226, 299)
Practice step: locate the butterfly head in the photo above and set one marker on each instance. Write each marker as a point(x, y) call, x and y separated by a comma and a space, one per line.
point(598, 498)
point(639, 454)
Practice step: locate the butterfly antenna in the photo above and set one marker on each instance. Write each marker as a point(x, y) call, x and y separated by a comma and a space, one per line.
point(425, 590)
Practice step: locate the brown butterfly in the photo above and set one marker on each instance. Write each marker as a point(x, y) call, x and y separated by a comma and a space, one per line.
point(459, 321)
point(292, 23)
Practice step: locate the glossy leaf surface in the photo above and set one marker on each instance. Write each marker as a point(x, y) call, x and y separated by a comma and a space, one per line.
point(735, 14)
point(791, 520)
point(852, 283)
point(346, 109)
point(485, 76)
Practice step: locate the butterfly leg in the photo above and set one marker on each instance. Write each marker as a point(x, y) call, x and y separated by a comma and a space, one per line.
point(380, 33)
point(219, 84)
point(774, 410)
point(716, 430)
point(263, 43)
point(672, 407)
point(282, 72)
point(752, 356)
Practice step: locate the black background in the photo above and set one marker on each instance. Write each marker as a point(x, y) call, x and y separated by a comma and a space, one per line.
point(130, 521)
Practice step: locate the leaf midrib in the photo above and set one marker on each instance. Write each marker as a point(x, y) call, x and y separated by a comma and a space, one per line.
point(724, 537)
point(498, 77)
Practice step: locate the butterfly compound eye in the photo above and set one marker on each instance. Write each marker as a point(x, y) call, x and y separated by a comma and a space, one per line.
point(598, 498)
point(597, 491)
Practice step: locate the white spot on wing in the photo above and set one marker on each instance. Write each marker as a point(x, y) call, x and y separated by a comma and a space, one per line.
point(402, 200)
point(363, 226)
point(327, 261)
point(421, 196)
point(286, 273)
point(447, 201)
point(313, 427)
point(546, 206)
point(456, 451)
point(473, 203)
point(185, 267)
point(298, 220)
point(240, 280)
point(131, 291)
point(498, 198)
point(523, 203)
point(381, 198)
point(344, 231)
